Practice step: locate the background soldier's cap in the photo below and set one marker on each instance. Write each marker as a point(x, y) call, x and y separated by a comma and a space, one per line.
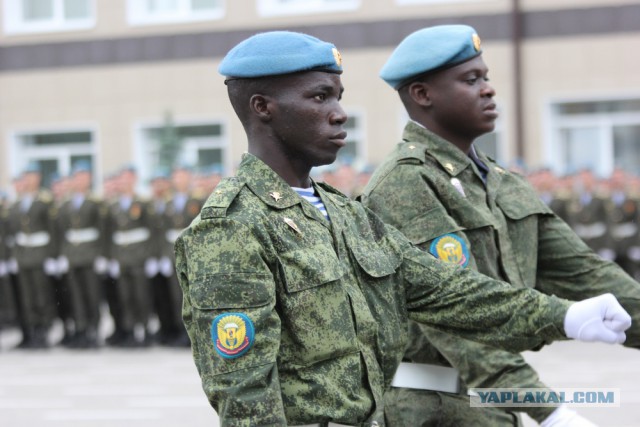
point(32, 167)
point(279, 52)
point(81, 166)
point(428, 50)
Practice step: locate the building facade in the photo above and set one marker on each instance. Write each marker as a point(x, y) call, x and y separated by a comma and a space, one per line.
point(101, 80)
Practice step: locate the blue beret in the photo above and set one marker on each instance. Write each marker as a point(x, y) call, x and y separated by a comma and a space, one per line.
point(430, 49)
point(280, 52)
point(81, 166)
point(32, 167)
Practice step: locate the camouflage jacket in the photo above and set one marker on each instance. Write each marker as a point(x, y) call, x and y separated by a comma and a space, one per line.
point(501, 229)
point(319, 308)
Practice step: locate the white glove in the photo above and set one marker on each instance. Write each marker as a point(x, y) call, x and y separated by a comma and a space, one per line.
point(12, 265)
point(150, 267)
point(100, 265)
point(565, 417)
point(166, 266)
point(600, 318)
point(607, 254)
point(50, 266)
point(63, 264)
point(114, 269)
point(634, 253)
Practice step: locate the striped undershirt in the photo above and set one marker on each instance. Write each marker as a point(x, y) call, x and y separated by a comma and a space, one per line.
point(310, 196)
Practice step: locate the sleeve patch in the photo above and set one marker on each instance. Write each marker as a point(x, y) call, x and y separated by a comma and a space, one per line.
point(232, 334)
point(450, 248)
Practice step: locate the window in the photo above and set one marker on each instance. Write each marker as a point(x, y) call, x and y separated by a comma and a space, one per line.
point(297, 7)
point(408, 2)
point(149, 12)
point(597, 135)
point(33, 16)
point(56, 153)
point(201, 145)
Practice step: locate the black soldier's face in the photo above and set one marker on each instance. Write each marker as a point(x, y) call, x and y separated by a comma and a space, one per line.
point(307, 118)
point(462, 99)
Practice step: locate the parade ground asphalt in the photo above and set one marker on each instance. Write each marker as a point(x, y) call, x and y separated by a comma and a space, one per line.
point(160, 387)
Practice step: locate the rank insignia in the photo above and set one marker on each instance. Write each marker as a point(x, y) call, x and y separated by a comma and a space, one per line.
point(450, 248)
point(232, 334)
point(293, 225)
point(449, 167)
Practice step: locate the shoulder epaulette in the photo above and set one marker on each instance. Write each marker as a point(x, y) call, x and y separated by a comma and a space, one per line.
point(408, 150)
point(219, 201)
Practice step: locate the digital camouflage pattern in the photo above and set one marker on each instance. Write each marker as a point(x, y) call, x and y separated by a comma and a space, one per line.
point(329, 302)
point(511, 235)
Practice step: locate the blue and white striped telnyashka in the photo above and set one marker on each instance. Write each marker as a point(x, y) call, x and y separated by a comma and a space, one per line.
point(310, 196)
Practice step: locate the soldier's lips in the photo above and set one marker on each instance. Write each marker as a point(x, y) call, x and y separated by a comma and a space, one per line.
point(490, 110)
point(339, 139)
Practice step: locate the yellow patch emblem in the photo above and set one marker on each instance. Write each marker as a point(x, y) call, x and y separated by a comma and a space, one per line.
point(450, 248)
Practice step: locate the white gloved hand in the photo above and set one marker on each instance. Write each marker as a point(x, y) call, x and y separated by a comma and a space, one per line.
point(63, 264)
point(100, 265)
point(565, 417)
point(150, 267)
point(12, 265)
point(114, 269)
point(608, 254)
point(601, 318)
point(634, 253)
point(166, 266)
point(50, 266)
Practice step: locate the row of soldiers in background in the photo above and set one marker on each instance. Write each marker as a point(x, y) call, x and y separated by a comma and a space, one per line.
point(605, 213)
point(65, 254)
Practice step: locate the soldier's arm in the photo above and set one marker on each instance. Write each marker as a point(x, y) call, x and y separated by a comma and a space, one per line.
point(568, 268)
point(484, 366)
point(222, 273)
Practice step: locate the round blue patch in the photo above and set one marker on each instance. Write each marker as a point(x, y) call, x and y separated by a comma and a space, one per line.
point(232, 334)
point(450, 248)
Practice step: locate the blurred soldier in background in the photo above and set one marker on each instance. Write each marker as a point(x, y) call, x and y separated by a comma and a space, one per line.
point(587, 214)
point(7, 301)
point(623, 212)
point(181, 210)
point(30, 221)
point(58, 275)
point(128, 223)
point(160, 194)
point(81, 224)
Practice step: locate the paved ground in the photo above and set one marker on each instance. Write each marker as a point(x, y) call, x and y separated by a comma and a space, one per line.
point(160, 387)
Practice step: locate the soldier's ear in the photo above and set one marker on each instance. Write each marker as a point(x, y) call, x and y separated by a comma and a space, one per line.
point(260, 105)
point(419, 93)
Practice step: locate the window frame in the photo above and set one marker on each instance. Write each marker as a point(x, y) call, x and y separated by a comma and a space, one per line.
point(604, 122)
point(273, 8)
point(20, 156)
point(136, 16)
point(142, 148)
point(13, 24)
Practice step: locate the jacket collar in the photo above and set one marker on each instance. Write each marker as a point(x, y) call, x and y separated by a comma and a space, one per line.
point(446, 154)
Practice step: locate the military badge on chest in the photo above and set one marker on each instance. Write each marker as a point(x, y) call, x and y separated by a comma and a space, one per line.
point(232, 334)
point(450, 248)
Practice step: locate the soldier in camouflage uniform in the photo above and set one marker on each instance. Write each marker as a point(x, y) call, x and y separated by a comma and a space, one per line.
point(296, 298)
point(464, 209)
point(7, 302)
